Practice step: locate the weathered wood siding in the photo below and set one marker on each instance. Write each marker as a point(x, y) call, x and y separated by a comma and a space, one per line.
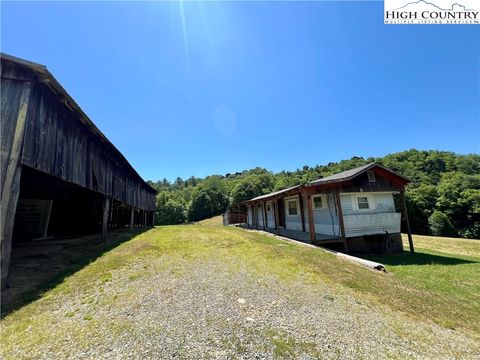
point(58, 143)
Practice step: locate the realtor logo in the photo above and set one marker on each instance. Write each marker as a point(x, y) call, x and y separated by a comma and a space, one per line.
point(431, 12)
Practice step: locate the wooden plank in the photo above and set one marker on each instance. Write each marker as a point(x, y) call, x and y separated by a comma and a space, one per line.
point(407, 222)
point(106, 206)
point(341, 220)
point(311, 224)
point(302, 212)
point(11, 185)
point(132, 212)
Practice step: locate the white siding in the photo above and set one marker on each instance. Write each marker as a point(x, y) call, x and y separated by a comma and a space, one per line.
point(270, 217)
point(249, 216)
point(370, 224)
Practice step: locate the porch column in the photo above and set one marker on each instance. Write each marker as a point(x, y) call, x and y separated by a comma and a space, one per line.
point(265, 215)
point(311, 224)
point(275, 212)
point(302, 213)
point(340, 220)
point(407, 222)
point(106, 207)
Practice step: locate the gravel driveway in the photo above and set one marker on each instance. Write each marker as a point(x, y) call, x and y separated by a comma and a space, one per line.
point(220, 308)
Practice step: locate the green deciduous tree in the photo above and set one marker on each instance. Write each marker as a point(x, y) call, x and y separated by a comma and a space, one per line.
point(440, 225)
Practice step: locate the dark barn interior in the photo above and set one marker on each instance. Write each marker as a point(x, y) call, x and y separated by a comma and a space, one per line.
point(61, 178)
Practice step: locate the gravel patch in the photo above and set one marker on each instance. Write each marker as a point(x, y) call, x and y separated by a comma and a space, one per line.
point(217, 309)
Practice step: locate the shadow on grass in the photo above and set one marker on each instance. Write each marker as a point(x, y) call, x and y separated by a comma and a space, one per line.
point(419, 258)
point(38, 268)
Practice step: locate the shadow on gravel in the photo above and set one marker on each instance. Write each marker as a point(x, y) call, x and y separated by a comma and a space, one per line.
point(36, 268)
point(418, 258)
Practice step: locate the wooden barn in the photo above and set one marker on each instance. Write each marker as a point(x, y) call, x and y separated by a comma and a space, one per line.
point(60, 176)
point(359, 210)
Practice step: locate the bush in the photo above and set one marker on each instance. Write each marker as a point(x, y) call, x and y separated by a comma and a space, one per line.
point(171, 213)
point(440, 225)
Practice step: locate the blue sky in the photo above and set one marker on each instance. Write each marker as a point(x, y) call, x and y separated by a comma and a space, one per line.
point(208, 88)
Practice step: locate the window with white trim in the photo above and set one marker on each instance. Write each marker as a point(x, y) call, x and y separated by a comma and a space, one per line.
point(362, 203)
point(319, 202)
point(269, 208)
point(292, 207)
point(371, 176)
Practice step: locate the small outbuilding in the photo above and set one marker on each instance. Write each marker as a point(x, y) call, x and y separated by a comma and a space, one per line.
point(60, 175)
point(360, 210)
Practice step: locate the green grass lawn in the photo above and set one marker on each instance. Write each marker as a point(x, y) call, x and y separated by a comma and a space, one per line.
point(443, 287)
point(213, 221)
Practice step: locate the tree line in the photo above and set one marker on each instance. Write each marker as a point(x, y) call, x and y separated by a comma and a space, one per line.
point(443, 198)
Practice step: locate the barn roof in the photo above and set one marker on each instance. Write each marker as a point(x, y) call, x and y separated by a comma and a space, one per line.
point(43, 75)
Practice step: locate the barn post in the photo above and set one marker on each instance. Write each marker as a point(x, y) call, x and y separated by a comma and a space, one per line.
point(144, 218)
point(106, 207)
point(11, 185)
point(254, 211)
point(302, 213)
point(340, 219)
point(407, 222)
point(311, 224)
point(132, 212)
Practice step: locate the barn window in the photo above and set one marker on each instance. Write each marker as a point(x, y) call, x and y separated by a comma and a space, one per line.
point(319, 202)
point(269, 207)
point(371, 176)
point(362, 202)
point(292, 207)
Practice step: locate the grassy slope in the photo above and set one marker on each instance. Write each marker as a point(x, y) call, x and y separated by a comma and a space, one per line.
point(216, 220)
point(445, 291)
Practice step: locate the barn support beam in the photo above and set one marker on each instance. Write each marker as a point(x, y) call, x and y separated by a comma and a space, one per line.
point(106, 208)
point(407, 222)
point(144, 218)
point(132, 214)
point(11, 185)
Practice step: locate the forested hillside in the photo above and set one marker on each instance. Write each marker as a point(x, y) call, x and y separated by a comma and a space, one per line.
point(443, 198)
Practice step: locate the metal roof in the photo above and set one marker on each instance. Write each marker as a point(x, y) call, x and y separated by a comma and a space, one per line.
point(350, 174)
point(274, 193)
point(340, 177)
